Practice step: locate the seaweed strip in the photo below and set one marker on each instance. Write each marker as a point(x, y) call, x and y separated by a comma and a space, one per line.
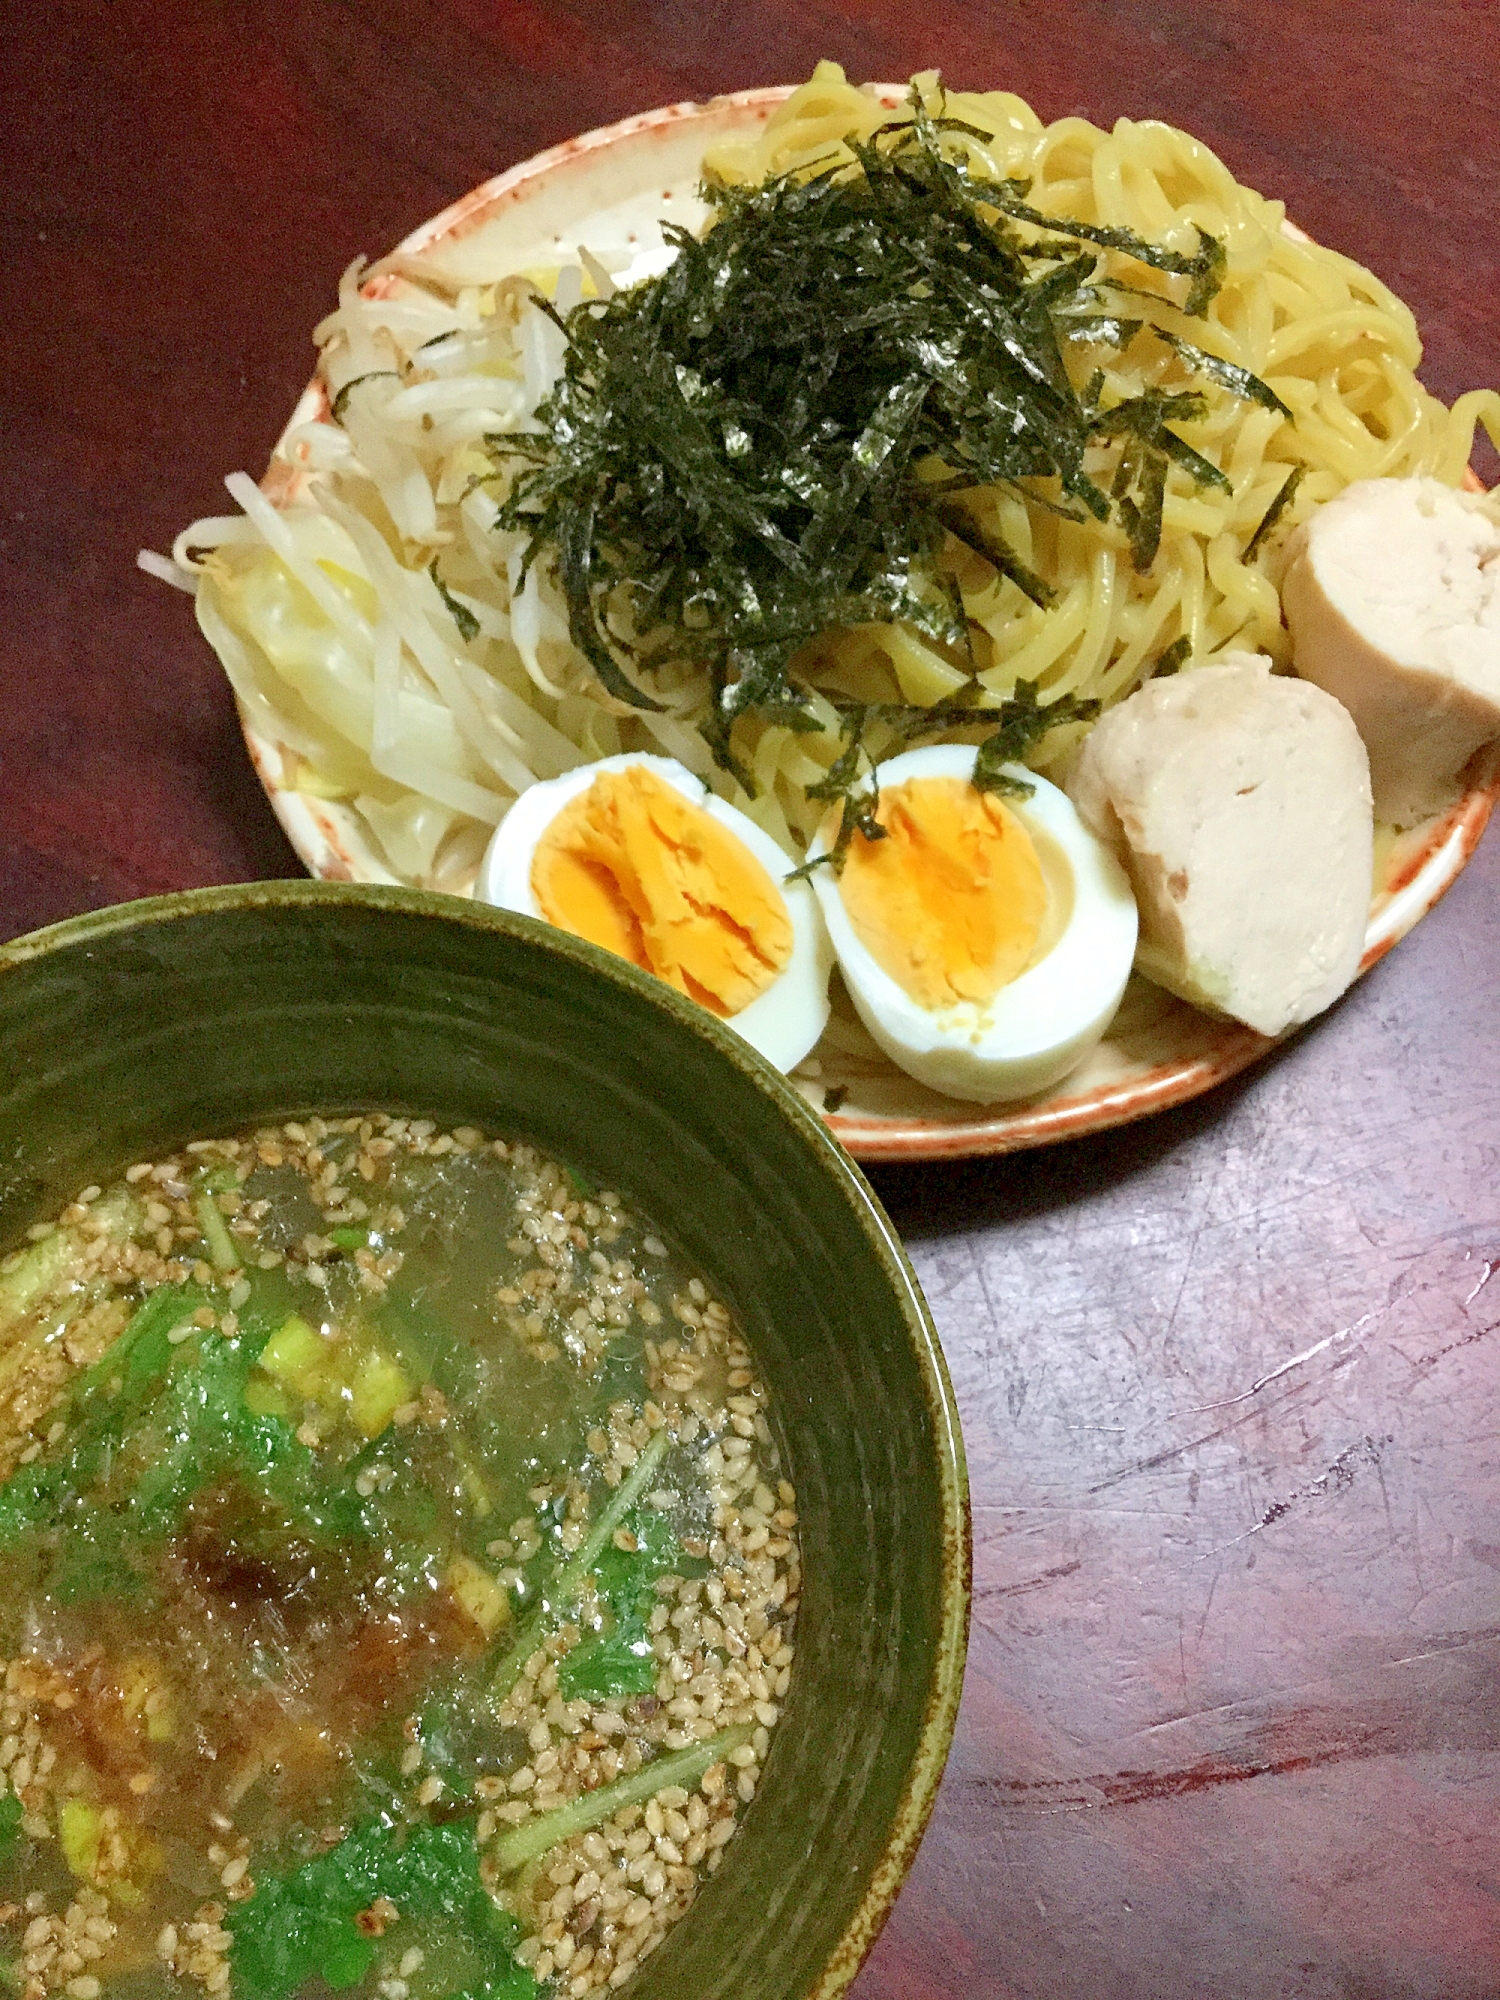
point(1170, 658)
point(341, 400)
point(1285, 494)
point(1014, 730)
point(1228, 374)
point(462, 616)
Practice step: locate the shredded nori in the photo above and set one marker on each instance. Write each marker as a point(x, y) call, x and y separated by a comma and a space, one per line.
point(1024, 720)
point(462, 616)
point(1285, 494)
point(341, 400)
point(1019, 724)
point(1170, 658)
point(774, 438)
point(1228, 374)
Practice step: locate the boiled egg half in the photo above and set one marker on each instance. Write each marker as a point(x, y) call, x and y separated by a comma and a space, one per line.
point(636, 854)
point(985, 941)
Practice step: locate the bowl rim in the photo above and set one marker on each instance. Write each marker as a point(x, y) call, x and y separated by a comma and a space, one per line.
point(918, 1794)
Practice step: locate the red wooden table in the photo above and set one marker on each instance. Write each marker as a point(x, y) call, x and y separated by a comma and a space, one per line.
point(1230, 1380)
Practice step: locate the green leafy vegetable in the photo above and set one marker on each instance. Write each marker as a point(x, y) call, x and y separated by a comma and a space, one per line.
point(11, 1815)
point(566, 1584)
point(771, 440)
point(223, 1253)
point(44, 1268)
point(620, 1661)
point(151, 1424)
point(302, 1926)
point(97, 1419)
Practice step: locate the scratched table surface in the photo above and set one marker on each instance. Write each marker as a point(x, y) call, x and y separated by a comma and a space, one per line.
point(1230, 1380)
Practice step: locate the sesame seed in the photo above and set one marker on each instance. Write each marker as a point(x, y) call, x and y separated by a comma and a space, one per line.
point(722, 1642)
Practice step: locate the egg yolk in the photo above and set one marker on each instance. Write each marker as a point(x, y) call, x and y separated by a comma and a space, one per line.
point(952, 902)
point(633, 865)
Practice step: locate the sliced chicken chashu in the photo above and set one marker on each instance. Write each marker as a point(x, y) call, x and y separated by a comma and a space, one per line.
point(1392, 595)
point(1239, 803)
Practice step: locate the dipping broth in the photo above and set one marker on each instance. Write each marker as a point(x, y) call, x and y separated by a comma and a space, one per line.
point(397, 1576)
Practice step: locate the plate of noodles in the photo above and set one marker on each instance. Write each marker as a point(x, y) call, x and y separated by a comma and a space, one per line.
point(409, 658)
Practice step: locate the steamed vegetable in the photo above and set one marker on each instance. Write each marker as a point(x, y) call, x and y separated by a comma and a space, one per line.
point(303, 1925)
point(619, 1660)
point(167, 1412)
point(567, 1583)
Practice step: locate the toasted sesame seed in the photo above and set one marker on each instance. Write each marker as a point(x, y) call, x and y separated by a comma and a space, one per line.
point(722, 1643)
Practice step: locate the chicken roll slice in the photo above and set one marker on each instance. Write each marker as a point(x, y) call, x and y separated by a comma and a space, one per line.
point(1392, 595)
point(1239, 804)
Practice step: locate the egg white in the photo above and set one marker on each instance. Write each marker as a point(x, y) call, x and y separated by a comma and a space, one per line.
point(786, 1019)
point(1045, 1021)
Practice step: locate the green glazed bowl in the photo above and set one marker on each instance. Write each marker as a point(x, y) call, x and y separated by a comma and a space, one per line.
point(128, 1031)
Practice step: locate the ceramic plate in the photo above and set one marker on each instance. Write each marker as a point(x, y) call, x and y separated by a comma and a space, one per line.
point(611, 190)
